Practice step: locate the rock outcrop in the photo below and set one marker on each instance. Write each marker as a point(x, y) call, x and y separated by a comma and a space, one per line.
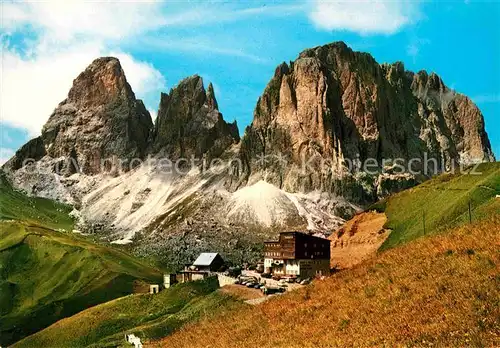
point(33, 150)
point(189, 123)
point(333, 110)
point(101, 126)
point(100, 123)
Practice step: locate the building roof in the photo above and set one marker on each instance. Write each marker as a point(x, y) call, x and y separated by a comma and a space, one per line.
point(205, 259)
point(308, 235)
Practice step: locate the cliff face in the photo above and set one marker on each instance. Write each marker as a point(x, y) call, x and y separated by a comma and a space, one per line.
point(101, 120)
point(452, 118)
point(33, 150)
point(333, 108)
point(190, 124)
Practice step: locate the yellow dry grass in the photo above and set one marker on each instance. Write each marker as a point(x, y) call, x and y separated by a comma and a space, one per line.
point(436, 291)
point(241, 292)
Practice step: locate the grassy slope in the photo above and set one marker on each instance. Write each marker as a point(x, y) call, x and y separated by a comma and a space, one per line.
point(444, 201)
point(46, 275)
point(15, 205)
point(441, 290)
point(145, 315)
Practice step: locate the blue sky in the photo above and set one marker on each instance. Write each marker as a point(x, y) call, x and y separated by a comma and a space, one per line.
point(236, 46)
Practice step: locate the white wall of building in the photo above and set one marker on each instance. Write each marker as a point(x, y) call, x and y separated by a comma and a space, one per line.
point(292, 267)
point(268, 263)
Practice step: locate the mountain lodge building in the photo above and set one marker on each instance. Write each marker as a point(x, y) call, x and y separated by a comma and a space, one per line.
point(297, 254)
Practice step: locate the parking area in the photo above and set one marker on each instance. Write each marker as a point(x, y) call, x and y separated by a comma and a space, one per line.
point(253, 279)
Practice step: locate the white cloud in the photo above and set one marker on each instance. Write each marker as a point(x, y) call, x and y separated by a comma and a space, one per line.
point(68, 36)
point(5, 155)
point(153, 113)
point(33, 87)
point(117, 19)
point(414, 48)
point(66, 19)
point(365, 17)
point(5, 138)
point(486, 98)
point(224, 11)
point(200, 45)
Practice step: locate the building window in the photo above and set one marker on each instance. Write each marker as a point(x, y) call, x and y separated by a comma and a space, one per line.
point(305, 245)
point(305, 253)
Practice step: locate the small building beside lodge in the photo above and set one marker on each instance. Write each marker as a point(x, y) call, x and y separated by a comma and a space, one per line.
point(297, 254)
point(204, 266)
point(209, 262)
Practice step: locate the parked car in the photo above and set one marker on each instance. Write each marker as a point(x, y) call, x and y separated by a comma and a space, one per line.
point(247, 278)
point(273, 290)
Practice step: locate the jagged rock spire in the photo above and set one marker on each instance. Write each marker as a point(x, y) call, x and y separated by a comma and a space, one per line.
point(189, 122)
point(211, 101)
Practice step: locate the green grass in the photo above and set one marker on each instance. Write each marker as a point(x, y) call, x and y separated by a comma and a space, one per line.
point(15, 205)
point(46, 273)
point(443, 202)
point(147, 316)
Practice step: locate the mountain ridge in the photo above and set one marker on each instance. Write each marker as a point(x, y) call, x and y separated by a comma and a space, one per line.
point(338, 105)
point(188, 183)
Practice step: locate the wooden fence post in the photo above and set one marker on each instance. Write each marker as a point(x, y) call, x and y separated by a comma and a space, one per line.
point(470, 213)
point(423, 220)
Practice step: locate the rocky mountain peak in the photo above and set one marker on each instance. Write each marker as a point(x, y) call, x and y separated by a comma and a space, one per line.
point(100, 83)
point(335, 104)
point(336, 47)
point(281, 70)
point(211, 101)
point(100, 121)
point(190, 124)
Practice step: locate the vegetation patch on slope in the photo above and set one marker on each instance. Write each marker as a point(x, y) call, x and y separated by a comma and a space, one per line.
point(147, 316)
point(441, 203)
point(441, 290)
point(46, 275)
point(15, 205)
